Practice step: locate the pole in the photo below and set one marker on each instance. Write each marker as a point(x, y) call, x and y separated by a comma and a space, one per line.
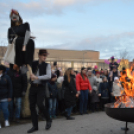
point(83, 57)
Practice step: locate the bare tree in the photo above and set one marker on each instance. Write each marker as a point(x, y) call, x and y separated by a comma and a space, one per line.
point(124, 56)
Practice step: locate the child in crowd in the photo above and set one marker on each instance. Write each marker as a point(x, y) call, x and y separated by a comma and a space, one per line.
point(52, 86)
point(104, 92)
point(116, 90)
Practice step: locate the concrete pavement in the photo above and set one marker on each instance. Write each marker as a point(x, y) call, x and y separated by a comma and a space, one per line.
point(94, 123)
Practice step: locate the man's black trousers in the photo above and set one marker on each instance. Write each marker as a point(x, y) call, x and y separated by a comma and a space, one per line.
point(37, 98)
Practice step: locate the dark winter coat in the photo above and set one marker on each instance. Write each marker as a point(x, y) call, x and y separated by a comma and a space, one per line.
point(19, 82)
point(104, 90)
point(52, 86)
point(70, 92)
point(5, 87)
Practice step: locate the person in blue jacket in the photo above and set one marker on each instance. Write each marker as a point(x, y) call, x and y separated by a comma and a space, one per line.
point(5, 93)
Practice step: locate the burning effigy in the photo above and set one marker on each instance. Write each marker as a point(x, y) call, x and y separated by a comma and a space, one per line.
point(20, 50)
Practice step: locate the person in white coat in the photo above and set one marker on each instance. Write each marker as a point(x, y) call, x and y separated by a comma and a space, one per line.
point(116, 90)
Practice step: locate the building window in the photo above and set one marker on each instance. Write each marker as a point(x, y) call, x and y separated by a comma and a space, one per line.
point(77, 66)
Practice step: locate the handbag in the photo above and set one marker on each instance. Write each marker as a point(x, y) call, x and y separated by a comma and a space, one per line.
point(10, 53)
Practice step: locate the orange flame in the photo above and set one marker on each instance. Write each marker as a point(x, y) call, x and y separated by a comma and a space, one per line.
point(127, 95)
point(129, 83)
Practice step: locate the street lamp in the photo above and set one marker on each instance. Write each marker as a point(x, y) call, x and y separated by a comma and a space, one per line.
point(83, 56)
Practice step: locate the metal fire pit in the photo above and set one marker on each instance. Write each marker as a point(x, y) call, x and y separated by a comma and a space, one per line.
point(122, 114)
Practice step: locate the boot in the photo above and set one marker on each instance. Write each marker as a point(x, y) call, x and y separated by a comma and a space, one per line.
point(48, 124)
point(33, 129)
point(70, 118)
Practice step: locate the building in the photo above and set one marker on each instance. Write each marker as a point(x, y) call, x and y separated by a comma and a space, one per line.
point(70, 58)
point(74, 59)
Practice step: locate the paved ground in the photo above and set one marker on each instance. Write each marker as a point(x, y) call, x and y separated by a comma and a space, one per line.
point(95, 123)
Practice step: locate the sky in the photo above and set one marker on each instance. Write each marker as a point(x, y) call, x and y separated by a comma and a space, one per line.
point(100, 25)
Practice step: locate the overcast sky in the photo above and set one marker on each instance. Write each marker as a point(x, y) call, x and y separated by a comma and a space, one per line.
point(101, 25)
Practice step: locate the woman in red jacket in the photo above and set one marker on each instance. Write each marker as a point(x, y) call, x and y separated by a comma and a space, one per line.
point(83, 88)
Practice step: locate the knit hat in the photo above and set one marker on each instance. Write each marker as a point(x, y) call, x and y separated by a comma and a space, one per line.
point(116, 78)
point(95, 67)
point(97, 72)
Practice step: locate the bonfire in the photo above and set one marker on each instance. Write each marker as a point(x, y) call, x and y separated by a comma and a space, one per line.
point(126, 100)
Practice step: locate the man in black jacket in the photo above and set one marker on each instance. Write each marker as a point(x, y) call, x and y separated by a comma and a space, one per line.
point(42, 73)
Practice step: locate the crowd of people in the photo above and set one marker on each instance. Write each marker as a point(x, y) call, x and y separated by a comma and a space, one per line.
point(49, 91)
point(66, 92)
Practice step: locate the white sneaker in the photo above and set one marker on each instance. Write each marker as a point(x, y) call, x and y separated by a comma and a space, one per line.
point(7, 123)
point(0, 125)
